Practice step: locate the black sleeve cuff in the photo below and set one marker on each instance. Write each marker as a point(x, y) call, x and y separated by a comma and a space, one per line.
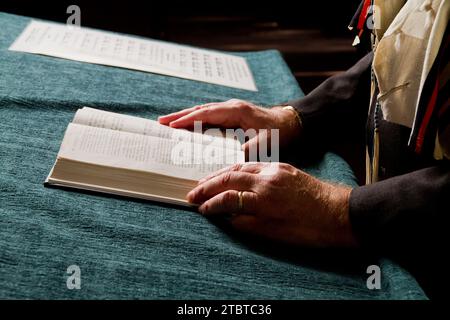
point(339, 104)
point(402, 211)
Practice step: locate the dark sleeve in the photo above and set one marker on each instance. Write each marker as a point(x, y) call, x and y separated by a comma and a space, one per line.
point(338, 106)
point(407, 211)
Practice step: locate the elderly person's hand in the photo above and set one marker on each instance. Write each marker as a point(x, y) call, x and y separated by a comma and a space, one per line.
point(279, 202)
point(239, 114)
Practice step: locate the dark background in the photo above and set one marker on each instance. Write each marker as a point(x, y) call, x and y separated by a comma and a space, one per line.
point(312, 35)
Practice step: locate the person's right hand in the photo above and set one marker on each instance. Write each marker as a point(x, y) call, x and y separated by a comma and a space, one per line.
point(236, 113)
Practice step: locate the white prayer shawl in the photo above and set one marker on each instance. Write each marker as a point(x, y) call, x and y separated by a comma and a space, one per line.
point(408, 38)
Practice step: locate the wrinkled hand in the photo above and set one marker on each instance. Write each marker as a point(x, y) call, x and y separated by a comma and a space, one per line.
point(280, 202)
point(239, 114)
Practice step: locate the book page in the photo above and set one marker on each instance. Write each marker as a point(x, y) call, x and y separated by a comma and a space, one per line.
point(107, 48)
point(120, 122)
point(146, 153)
point(115, 121)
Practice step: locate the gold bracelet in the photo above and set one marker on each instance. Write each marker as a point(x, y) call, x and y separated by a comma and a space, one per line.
point(300, 122)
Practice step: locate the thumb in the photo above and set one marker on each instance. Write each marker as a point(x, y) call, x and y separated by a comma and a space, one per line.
point(250, 149)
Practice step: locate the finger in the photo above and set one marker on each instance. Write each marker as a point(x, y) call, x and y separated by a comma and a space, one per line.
point(166, 119)
point(259, 145)
point(228, 203)
point(250, 149)
point(241, 181)
point(218, 114)
point(253, 225)
point(245, 223)
point(249, 167)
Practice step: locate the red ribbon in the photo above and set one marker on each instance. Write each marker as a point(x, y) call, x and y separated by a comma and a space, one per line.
point(363, 15)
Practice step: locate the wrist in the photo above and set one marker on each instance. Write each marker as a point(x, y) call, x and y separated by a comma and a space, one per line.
point(296, 115)
point(290, 123)
point(339, 203)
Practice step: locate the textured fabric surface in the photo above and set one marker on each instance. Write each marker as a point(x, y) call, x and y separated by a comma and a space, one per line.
point(136, 249)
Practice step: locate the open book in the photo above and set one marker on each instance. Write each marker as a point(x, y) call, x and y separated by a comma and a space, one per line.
point(130, 156)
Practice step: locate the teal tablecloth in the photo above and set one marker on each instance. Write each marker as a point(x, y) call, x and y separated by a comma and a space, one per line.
point(134, 249)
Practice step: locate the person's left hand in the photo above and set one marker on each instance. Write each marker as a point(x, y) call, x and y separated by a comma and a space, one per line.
point(279, 202)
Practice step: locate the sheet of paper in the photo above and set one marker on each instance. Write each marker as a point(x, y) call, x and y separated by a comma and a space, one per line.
point(106, 48)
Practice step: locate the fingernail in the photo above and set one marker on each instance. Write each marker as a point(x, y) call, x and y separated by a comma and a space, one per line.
point(190, 197)
point(203, 209)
